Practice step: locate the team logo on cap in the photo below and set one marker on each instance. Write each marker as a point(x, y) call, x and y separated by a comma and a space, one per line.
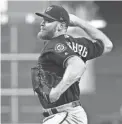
point(60, 47)
point(48, 9)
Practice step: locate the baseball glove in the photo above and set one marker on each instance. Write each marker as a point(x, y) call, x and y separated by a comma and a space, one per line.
point(42, 82)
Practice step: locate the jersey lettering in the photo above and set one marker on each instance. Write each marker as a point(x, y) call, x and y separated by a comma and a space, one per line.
point(85, 52)
point(78, 48)
point(75, 47)
point(69, 44)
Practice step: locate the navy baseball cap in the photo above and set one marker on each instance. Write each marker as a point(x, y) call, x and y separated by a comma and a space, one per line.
point(55, 13)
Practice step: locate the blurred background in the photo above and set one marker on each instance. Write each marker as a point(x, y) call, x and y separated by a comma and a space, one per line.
point(101, 86)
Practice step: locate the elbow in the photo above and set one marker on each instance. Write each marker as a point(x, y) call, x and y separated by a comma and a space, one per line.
point(108, 47)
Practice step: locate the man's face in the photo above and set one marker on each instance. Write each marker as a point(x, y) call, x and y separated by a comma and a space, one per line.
point(47, 29)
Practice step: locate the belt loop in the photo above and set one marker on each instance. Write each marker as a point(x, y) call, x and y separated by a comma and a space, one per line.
point(50, 111)
point(76, 103)
point(73, 104)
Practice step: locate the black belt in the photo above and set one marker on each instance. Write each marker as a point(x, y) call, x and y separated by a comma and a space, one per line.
point(54, 110)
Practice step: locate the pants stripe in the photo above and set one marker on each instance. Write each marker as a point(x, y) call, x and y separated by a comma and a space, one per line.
point(48, 118)
point(64, 118)
point(67, 121)
point(76, 119)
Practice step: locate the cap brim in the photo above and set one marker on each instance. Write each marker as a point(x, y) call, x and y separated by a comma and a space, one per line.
point(44, 15)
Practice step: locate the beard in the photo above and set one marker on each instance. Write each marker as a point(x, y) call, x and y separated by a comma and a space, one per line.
point(46, 34)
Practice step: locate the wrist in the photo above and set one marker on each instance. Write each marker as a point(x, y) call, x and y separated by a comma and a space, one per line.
point(57, 90)
point(81, 23)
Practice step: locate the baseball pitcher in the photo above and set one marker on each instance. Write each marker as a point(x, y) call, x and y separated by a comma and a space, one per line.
point(61, 64)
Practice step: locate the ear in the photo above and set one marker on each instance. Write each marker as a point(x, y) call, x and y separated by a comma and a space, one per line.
point(59, 26)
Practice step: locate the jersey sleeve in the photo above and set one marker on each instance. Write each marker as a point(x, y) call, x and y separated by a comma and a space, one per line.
point(94, 49)
point(61, 53)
